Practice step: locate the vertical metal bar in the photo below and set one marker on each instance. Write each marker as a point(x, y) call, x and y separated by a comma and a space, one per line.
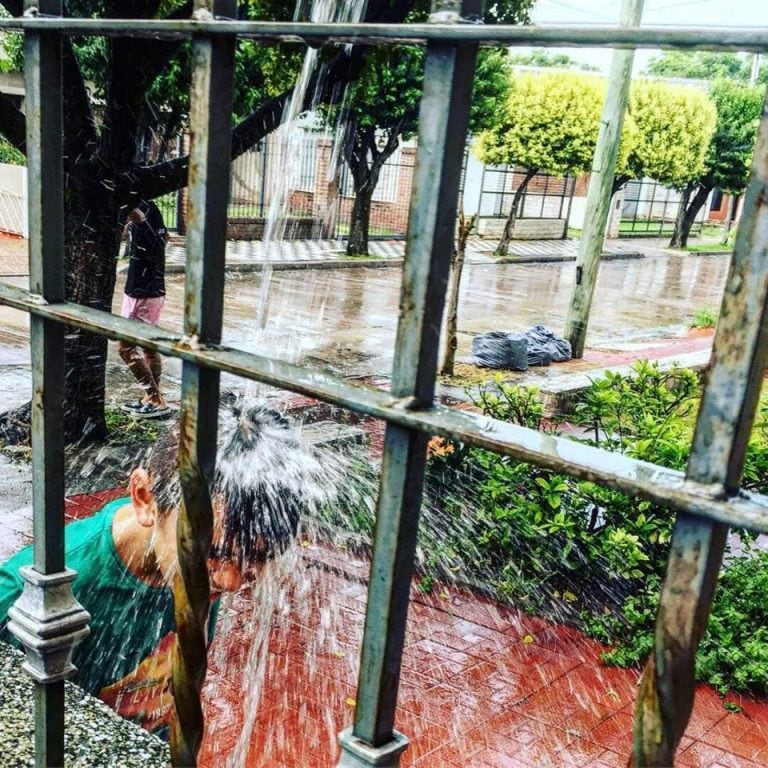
point(209, 185)
point(46, 618)
point(448, 79)
point(722, 434)
point(600, 190)
point(43, 87)
point(43, 84)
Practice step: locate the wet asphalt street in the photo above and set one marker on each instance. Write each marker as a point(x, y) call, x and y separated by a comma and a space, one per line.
point(345, 319)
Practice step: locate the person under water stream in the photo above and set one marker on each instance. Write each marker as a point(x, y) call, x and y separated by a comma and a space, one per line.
point(125, 556)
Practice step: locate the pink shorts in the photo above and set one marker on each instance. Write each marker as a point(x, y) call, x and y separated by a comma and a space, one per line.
point(146, 310)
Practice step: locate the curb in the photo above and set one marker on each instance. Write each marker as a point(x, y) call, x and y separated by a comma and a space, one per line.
point(546, 258)
point(242, 267)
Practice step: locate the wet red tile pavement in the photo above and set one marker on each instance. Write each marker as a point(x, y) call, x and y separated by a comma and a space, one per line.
point(483, 685)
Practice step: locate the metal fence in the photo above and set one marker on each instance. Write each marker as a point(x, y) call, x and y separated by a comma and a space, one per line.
point(12, 214)
point(707, 497)
point(546, 196)
point(650, 209)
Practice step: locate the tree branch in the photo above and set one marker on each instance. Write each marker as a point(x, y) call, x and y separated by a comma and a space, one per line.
point(14, 7)
point(149, 182)
point(135, 65)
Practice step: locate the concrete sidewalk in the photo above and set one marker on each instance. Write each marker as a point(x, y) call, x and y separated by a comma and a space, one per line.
point(244, 255)
point(316, 254)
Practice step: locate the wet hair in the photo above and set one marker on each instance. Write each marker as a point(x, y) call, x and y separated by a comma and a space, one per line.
point(265, 480)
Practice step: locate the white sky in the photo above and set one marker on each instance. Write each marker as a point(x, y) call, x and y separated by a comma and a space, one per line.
point(703, 13)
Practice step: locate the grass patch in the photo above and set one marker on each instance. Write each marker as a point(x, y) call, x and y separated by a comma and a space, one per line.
point(704, 318)
point(467, 375)
point(120, 424)
point(710, 247)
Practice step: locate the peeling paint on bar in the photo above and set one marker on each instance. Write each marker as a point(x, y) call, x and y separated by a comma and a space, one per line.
point(723, 427)
point(210, 126)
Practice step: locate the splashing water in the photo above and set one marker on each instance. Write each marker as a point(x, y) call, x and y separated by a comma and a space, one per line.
point(284, 472)
point(290, 138)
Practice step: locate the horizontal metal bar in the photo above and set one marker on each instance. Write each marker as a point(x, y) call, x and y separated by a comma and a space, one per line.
point(658, 484)
point(700, 38)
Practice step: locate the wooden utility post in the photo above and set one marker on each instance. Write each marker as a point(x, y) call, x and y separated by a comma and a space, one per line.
point(600, 185)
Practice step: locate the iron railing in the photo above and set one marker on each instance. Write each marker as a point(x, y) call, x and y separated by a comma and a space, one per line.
point(651, 209)
point(707, 497)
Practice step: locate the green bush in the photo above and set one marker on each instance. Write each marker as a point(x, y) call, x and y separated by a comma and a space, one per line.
point(577, 552)
point(704, 318)
point(9, 154)
point(734, 652)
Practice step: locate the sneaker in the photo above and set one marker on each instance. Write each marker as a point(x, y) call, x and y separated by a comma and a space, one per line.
point(150, 411)
point(136, 405)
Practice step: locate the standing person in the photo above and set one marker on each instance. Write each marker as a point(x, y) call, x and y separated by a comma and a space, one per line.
point(143, 300)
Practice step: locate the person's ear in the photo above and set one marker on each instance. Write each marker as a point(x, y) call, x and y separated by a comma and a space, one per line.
point(142, 498)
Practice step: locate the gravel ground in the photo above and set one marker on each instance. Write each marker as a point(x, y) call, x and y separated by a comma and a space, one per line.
point(95, 737)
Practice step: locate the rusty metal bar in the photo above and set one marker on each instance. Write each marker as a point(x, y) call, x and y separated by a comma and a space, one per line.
point(739, 357)
point(46, 618)
point(649, 481)
point(211, 128)
point(443, 118)
point(555, 35)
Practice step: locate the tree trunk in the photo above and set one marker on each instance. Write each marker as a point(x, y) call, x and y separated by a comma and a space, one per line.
point(452, 310)
point(502, 249)
point(92, 244)
point(365, 161)
point(359, 223)
point(618, 183)
point(687, 213)
point(732, 209)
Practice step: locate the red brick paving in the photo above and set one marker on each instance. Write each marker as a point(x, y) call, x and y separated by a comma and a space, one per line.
point(483, 685)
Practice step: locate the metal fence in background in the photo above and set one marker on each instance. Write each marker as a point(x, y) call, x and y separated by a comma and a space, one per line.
point(12, 213)
point(545, 197)
point(650, 209)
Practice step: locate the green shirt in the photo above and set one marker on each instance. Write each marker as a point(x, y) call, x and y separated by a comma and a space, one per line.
point(128, 616)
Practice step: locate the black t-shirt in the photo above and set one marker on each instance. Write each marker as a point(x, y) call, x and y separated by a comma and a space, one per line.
point(146, 268)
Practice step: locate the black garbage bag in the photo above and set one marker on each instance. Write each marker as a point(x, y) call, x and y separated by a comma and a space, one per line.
point(539, 354)
point(499, 349)
point(559, 349)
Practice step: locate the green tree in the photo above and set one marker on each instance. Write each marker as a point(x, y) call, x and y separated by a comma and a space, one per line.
point(674, 125)
point(699, 65)
point(106, 169)
point(540, 57)
point(728, 160)
point(550, 123)
point(383, 111)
